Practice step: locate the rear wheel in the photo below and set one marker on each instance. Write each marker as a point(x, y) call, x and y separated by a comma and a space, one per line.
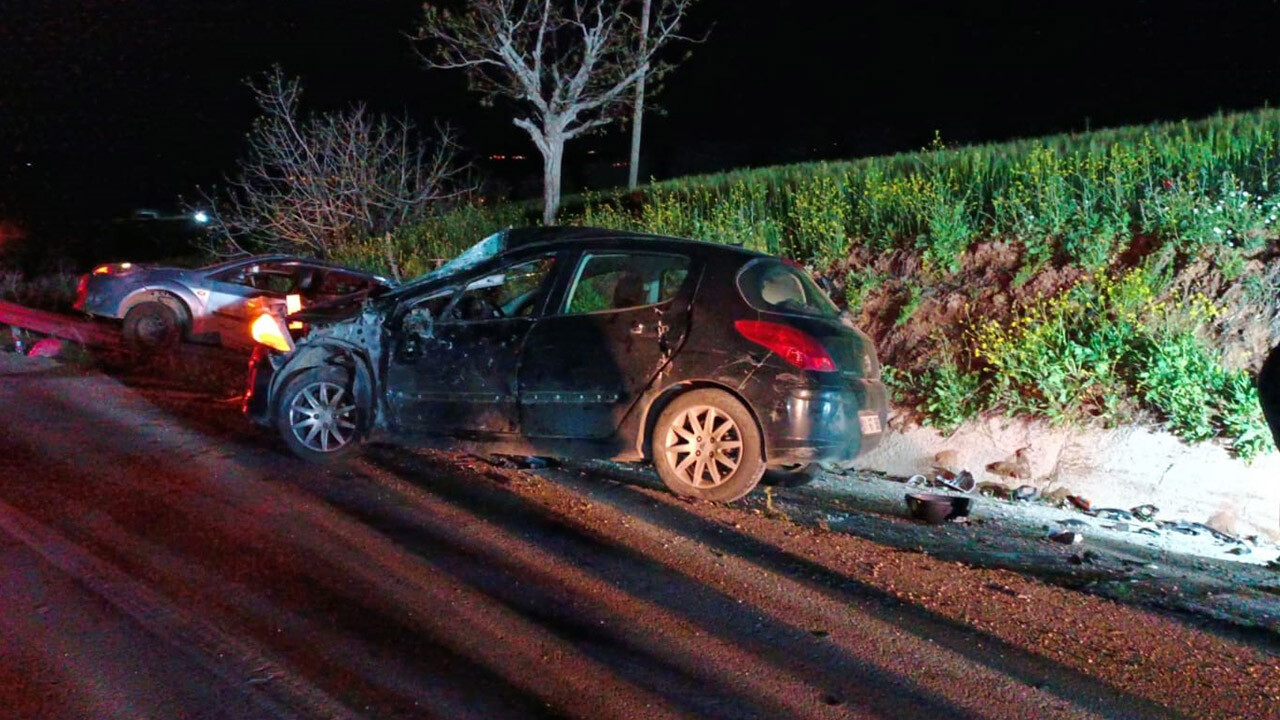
point(317, 416)
point(152, 327)
point(791, 475)
point(706, 445)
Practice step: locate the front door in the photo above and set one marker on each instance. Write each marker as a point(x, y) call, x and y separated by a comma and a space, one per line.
point(455, 355)
point(623, 316)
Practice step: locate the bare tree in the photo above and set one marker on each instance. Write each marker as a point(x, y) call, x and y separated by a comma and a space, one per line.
point(314, 185)
point(565, 63)
point(637, 118)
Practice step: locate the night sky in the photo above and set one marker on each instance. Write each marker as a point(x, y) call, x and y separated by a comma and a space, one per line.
point(110, 105)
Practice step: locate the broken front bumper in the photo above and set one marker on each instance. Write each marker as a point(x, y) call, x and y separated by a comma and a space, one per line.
point(257, 397)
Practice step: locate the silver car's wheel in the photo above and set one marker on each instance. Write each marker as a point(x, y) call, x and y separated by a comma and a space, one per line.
point(703, 447)
point(322, 417)
point(706, 444)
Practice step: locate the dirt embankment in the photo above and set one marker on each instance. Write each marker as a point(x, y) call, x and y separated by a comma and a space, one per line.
point(912, 311)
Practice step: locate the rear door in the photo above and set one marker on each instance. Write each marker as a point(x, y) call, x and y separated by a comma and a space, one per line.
point(619, 320)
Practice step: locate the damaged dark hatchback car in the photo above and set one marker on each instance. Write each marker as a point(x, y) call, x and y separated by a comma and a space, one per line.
point(715, 363)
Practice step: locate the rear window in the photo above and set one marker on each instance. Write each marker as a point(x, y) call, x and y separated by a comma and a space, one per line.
point(770, 285)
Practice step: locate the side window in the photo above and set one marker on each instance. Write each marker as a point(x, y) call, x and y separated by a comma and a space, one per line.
point(337, 282)
point(513, 292)
point(273, 278)
point(421, 317)
point(617, 281)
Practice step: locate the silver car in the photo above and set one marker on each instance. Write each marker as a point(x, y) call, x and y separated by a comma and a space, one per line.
point(160, 306)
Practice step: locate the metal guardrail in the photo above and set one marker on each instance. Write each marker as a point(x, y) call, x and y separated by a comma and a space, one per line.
point(93, 334)
point(85, 332)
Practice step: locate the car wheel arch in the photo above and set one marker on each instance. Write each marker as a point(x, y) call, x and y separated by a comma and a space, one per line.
point(335, 355)
point(166, 297)
point(675, 390)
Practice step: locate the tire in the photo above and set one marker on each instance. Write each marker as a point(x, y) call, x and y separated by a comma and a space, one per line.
point(791, 475)
point(678, 447)
point(302, 423)
point(152, 327)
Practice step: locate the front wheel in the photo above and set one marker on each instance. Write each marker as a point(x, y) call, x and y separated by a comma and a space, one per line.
point(706, 445)
point(317, 416)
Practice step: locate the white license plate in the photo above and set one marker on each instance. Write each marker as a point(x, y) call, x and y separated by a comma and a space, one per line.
point(870, 424)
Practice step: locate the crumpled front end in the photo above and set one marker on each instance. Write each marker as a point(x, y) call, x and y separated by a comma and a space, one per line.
point(354, 344)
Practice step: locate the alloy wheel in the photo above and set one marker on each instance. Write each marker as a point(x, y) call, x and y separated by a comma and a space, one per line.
point(704, 446)
point(321, 417)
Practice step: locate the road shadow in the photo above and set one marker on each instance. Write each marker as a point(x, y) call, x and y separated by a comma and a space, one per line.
point(786, 645)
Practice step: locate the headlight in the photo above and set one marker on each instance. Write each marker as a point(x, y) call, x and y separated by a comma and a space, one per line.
point(269, 330)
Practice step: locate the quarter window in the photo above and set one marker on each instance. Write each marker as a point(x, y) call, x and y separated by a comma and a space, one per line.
point(625, 280)
point(771, 285)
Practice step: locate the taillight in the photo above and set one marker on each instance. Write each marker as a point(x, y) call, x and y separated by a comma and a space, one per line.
point(112, 269)
point(791, 344)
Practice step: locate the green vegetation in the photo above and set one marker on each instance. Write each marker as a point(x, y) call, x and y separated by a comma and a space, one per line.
point(1129, 209)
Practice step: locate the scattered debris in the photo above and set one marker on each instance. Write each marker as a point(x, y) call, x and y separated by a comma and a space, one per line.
point(1006, 590)
point(1079, 501)
point(962, 482)
point(936, 509)
point(1145, 513)
point(1025, 492)
point(46, 347)
point(1088, 557)
point(1066, 537)
point(1115, 514)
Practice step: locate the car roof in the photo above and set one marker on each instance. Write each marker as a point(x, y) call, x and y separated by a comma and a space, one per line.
point(281, 257)
point(560, 236)
point(516, 242)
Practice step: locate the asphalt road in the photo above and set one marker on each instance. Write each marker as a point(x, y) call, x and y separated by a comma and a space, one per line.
point(160, 559)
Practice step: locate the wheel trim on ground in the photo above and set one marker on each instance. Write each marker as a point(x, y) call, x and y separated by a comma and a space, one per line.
point(703, 446)
point(319, 418)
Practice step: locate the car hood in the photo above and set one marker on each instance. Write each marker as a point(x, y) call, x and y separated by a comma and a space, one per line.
point(337, 310)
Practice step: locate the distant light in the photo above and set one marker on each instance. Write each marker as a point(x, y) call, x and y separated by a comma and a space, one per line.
point(201, 217)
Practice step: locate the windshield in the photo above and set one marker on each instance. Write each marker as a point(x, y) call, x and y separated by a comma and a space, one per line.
point(487, 248)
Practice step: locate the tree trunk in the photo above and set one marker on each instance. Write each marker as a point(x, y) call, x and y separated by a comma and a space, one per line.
point(638, 118)
point(552, 154)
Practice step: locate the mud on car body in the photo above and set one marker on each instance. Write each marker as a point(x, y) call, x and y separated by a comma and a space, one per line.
point(715, 363)
point(160, 306)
